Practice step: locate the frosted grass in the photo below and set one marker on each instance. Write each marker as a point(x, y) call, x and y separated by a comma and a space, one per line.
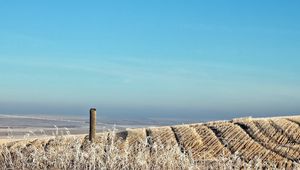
point(63, 151)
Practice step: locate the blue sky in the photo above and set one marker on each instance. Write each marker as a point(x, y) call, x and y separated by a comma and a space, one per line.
point(150, 58)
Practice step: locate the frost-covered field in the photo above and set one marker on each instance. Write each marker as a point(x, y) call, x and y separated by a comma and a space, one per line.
point(237, 144)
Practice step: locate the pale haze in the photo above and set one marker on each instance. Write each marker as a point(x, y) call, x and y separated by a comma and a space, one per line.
point(150, 59)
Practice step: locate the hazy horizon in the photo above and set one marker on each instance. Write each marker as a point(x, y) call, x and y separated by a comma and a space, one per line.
point(210, 60)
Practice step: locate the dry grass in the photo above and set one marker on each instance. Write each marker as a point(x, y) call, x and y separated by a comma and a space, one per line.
point(237, 144)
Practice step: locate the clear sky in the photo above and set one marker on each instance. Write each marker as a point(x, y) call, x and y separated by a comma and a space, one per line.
point(150, 58)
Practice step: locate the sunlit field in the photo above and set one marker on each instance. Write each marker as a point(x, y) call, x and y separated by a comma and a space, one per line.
point(237, 144)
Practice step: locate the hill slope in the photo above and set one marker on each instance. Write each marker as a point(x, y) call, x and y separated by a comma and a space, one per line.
point(273, 141)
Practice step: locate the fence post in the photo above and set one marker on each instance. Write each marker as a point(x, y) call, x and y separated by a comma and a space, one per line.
point(92, 134)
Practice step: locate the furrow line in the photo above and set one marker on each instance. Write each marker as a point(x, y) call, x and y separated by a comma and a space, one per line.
point(211, 144)
point(271, 132)
point(284, 129)
point(239, 142)
point(268, 143)
point(177, 137)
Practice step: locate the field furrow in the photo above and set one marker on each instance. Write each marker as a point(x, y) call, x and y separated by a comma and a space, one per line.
point(136, 137)
point(291, 152)
point(130, 138)
point(270, 131)
point(239, 142)
point(162, 142)
point(211, 146)
point(162, 135)
point(190, 140)
point(291, 129)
